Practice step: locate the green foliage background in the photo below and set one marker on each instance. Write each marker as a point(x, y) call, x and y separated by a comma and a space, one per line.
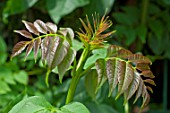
point(142, 26)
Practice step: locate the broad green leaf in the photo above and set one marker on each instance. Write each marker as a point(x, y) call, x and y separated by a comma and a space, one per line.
point(24, 33)
point(91, 83)
point(59, 8)
point(100, 108)
point(3, 48)
point(19, 47)
point(130, 36)
point(21, 77)
point(100, 6)
point(142, 32)
point(167, 2)
point(66, 63)
point(157, 28)
point(12, 7)
point(97, 54)
point(74, 107)
point(52, 28)
point(31, 105)
point(40, 26)
point(14, 102)
point(77, 45)
point(4, 88)
point(159, 48)
point(31, 28)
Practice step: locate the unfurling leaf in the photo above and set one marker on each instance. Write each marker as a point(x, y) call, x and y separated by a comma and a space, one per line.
point(52, 28)
point(40, 26)
point(19, 47)
point(31, 28)
point(24, 33)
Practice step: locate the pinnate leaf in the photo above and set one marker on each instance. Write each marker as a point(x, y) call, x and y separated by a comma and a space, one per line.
point(124, 70)
point(40, 26)
point(24, 33)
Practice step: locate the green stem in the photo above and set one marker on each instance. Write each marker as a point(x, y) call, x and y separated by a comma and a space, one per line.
point(145, 4)
point(77, 76)
point(126, 107)
point(47, 76)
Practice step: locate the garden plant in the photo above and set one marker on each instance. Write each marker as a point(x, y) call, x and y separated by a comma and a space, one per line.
point(126, 73)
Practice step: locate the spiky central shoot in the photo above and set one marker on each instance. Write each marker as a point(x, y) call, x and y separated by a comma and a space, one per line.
point(95, 36)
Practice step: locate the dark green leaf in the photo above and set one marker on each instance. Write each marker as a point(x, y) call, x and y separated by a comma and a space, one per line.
point(157, 28)
point(66, 63)
point(31, 28)
point(14, 102)
point(63, 7)
point(3, 48)
point(21, 77)
point(24, 33)
point(40, 26)
point(12, 7)
point(4, 88)
point(19, 47)
point(31, 105)
point(142, 32)
point(100, 6)
point(91, 83)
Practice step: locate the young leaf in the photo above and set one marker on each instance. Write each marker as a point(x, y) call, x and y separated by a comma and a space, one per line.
point(40, 26)
point(52, 28)
point(37, 43)
point(31, 28)
point(66, 63)
point(60, 53)
point(24, 33)
point(101, 71)
point(19, 47)
point(29, 48)
point(44, 47)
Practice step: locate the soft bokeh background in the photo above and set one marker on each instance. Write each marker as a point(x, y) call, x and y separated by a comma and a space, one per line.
point(142, 26)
